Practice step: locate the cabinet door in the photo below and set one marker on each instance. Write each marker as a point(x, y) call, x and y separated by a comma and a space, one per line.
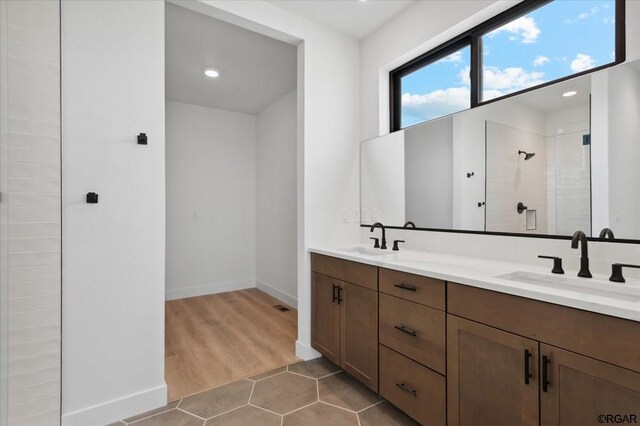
point(492, 376)
point(579, 390)
point(359, 337)
point(325, 317)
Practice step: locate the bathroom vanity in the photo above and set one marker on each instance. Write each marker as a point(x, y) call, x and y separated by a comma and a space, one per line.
point(450, 341)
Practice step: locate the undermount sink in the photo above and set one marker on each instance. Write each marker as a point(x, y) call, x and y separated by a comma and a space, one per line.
point(366, 250)
point(587, 286)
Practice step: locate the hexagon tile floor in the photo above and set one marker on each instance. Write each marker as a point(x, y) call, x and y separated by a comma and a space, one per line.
point(308, 393)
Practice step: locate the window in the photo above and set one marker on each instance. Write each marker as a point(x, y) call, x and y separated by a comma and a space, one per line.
point(533, 44)
point(434, 90)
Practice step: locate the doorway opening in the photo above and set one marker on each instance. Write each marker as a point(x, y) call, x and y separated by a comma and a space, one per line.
point(231, 128)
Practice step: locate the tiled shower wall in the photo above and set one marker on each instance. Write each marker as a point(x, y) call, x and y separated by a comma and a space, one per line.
point(31, 228)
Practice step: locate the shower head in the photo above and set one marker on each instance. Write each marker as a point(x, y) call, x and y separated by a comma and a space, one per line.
point(527, 155)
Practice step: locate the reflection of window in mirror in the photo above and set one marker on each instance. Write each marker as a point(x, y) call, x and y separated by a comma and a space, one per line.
point(530, 45)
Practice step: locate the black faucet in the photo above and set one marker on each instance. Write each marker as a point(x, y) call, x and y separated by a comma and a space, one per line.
point(606, 233)
point(580, 237)
point(409, 224)
point(383, 242)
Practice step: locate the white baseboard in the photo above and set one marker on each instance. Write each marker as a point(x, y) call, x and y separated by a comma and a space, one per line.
point(278, 294)
point(117, 409)
point(305, 351)
point(182, 293)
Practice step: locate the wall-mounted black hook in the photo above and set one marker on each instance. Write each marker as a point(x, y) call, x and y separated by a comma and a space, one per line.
point(92, 198)
point(520, 208)
point(142, 139)
point(470, 174)
point(480, 203)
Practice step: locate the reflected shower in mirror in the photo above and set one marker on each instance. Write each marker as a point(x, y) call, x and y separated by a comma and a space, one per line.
point(547, 162)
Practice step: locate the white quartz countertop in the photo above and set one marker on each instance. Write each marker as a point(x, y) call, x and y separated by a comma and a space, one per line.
point(597, 294)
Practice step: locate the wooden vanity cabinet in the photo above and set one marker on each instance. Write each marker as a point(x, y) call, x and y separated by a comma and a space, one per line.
point(344, 316)
point(325, 317)
point(492, 376)
point(578, 389)
point(461, 355)
point(359, 333)
point(581, 364)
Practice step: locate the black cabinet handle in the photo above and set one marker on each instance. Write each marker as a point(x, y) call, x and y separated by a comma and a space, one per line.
point(406, 287)
point(407, 389)
point(527, 371)
point(335, 293)
point(407, 330)
point(340, 299)
point(545, 373)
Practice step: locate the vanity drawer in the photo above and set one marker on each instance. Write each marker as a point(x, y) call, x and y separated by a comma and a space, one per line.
point(414, 330)
point(414, 389)
point(606, 338)
point(346, 270)
point(416, 288)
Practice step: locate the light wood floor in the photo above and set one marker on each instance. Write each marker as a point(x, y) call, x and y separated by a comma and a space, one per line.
point(217, 339)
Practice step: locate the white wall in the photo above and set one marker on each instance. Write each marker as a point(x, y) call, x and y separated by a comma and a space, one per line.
point(511, 179)
point(624, 151)
point(568, 171)
point(113, 251)
point(211, 200)
point(276, 203)
point(30, 213)
point(428, 160)
point(382, 179)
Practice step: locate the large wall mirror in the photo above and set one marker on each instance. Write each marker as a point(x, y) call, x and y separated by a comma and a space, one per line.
point(551, 161)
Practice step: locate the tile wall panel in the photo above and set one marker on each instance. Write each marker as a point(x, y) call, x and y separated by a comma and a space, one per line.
point(32, 231)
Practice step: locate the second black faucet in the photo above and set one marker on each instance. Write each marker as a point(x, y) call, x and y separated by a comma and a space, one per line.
point(580, 237)
point(383, 241)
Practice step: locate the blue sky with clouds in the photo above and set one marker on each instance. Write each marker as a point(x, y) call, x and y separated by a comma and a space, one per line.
point(556, 40)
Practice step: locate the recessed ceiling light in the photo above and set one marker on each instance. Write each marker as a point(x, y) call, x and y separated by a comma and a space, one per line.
point(211, 72)
point(570, 93)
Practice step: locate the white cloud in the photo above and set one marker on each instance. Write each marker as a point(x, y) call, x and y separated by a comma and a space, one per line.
point(436, 103)
point(540, 60)
point(464, 77)
point(525, 27)
point(510, 79)
point(497, 82)
point(583, 15)
point(455, 57)
point(582, 62)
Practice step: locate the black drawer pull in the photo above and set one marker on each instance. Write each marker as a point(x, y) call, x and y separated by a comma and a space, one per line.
point(406, 287)
point(527, 372)
point(407, 389)
point(407, 330)
point(335, 292)
point(545, 373)
point(340, 299)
